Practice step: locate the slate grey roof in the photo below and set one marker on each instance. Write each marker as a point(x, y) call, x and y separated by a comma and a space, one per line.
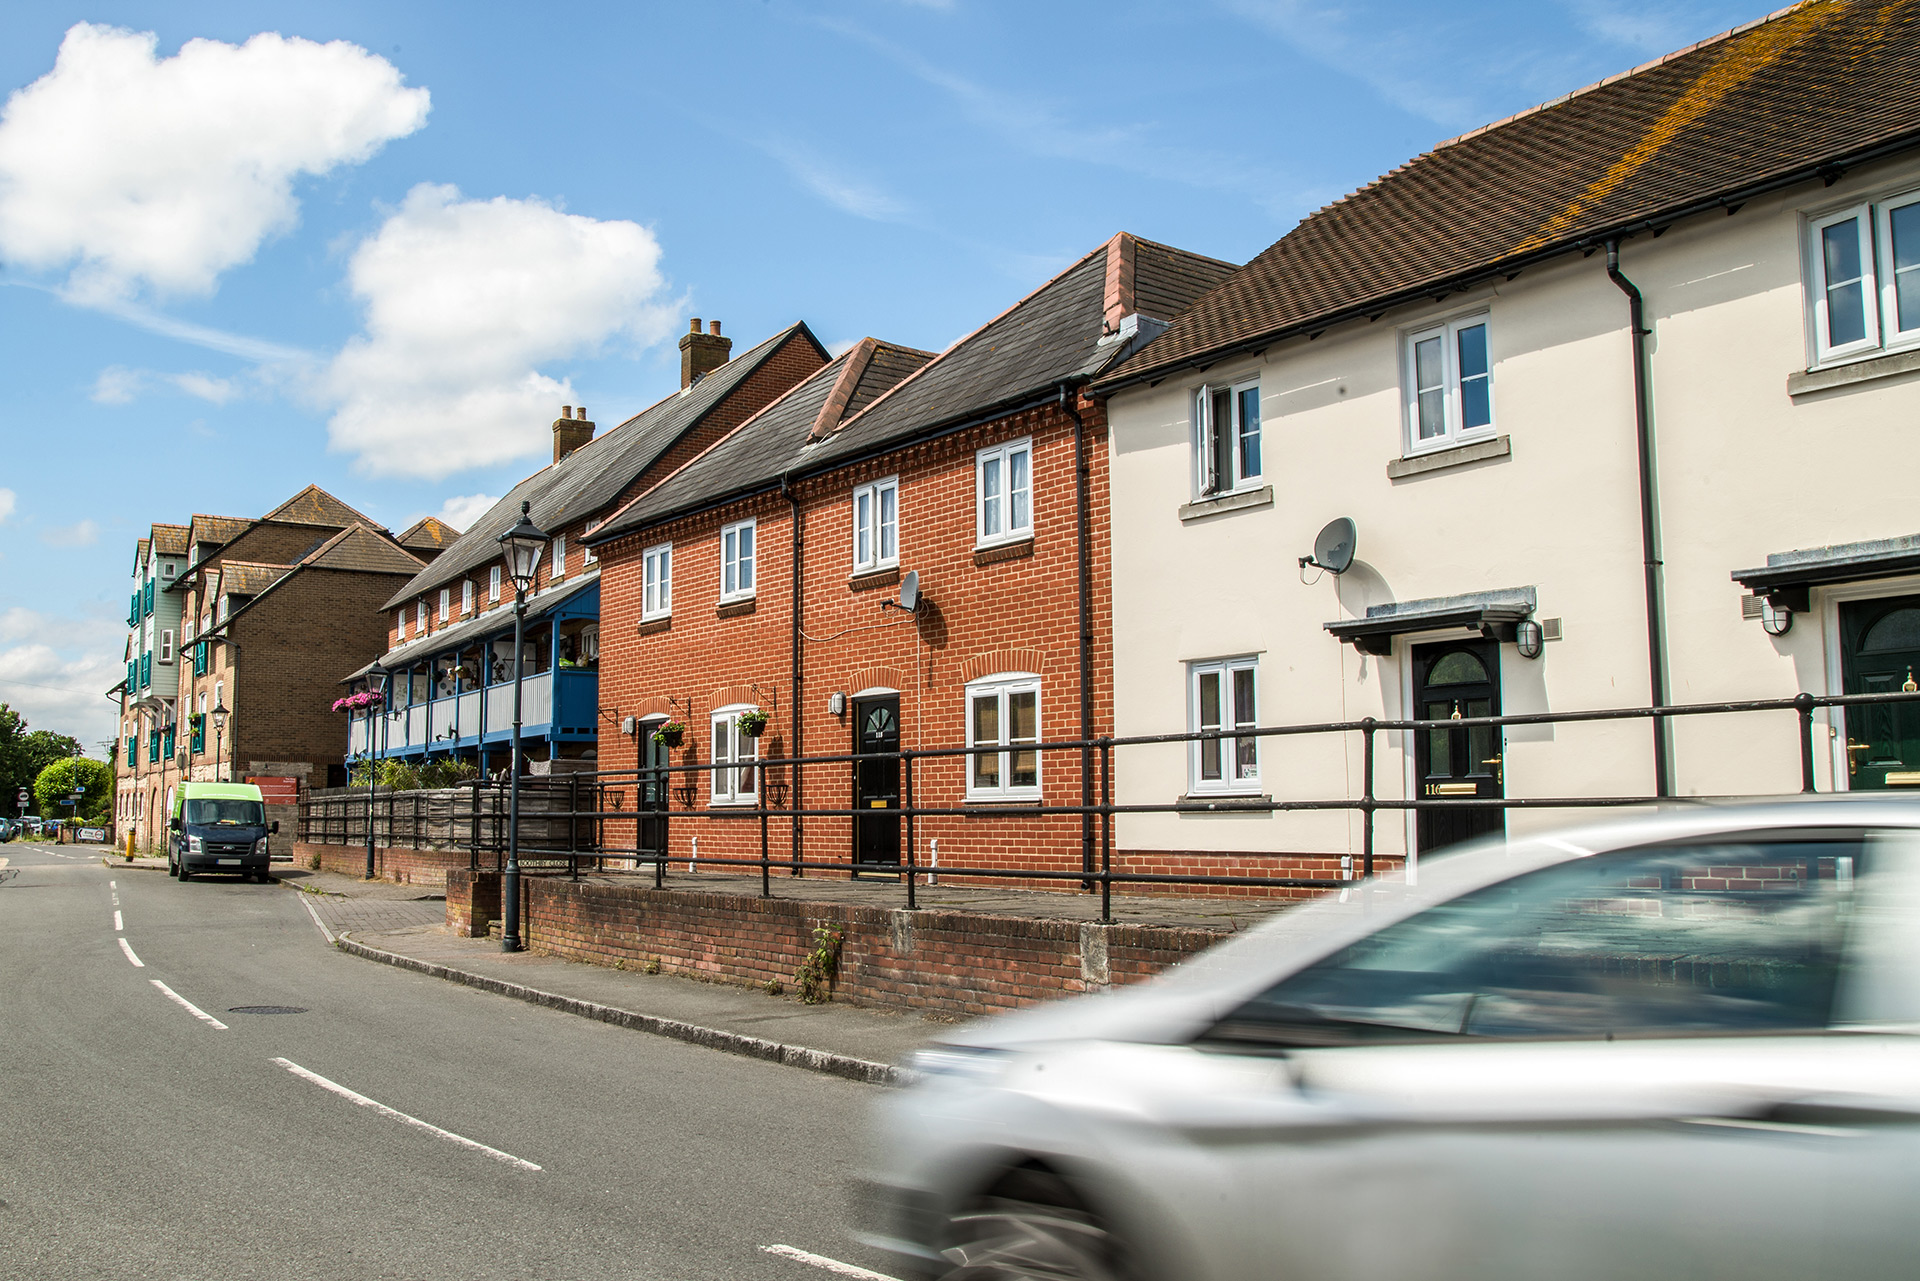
point(1051, 336)
point(482, 624)
point(593, 476)
point(754, 455)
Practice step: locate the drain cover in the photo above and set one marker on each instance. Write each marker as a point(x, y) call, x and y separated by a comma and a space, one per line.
point(268, 1009)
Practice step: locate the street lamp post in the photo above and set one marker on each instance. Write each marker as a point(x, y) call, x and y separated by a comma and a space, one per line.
point(523, 545)
point(219, 730)
point(377, 686)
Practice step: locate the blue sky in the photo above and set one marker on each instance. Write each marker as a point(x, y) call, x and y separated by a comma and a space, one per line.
point(233, 267)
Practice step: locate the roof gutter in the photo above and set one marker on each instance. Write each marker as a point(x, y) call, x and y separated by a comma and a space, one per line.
point(1729, 200)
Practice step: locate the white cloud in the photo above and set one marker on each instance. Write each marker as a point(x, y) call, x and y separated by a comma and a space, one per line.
point(55, 672)
point(6, 504)
point(830, 182)
point(464, 300)
point(462, 510)
point(119, 385)
point(134, 170)
point(84, 534)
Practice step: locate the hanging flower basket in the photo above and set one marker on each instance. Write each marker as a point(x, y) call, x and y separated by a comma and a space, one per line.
point(753, 724)
point(670, 734)
point(366, 698)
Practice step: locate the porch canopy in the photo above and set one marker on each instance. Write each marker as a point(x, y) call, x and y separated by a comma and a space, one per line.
point(1491, 613)
point(1788, 578)
point(479, 627)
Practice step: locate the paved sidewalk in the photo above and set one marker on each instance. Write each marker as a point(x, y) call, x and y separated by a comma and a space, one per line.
point(399, 921)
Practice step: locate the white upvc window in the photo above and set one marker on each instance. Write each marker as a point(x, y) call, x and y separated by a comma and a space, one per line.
point(446, 603)
point(559, 557)
point(1003, 493)
point(1226, 438)
point(1448, 376)
point(736, 561)
point(400, 625)
point(876, 525)
point(226, 606)
point(493, 586)
point(1003, 727)
point(1864, 278)
point(656, 596)
point(420, 618)
point(466, 596)
point(1222, 695)
point(734, 781)
point(166, 646)
point(586, 553)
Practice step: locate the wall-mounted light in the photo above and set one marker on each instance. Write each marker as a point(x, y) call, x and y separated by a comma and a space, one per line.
point(1528, 638)
point(628, 724)
point(1775, 620)
point(836, 704)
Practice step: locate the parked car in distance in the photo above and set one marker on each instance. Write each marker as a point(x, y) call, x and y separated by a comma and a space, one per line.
point(1684, 1044)
point(8, 827)
point(34, 826)
point(218, 827)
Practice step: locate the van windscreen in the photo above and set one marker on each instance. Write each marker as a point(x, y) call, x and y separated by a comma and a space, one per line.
point(226, 813)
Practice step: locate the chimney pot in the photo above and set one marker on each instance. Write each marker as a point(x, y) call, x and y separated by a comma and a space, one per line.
point(566, 411)
point(694, 326)
point(713, 327)
point(569, 432)
point(701, 354)
point(581, 412)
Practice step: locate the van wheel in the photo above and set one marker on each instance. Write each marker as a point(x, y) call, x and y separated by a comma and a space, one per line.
point(173, 868)
point(185, 875)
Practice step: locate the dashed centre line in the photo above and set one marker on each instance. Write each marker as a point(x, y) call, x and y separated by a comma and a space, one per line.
point(394, 1114)
point(128, 949)
point(188, 1006)
point(117, 924)
point(822, 1262)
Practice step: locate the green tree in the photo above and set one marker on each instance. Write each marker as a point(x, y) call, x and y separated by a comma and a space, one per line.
point(14, 773)
point(92, 779)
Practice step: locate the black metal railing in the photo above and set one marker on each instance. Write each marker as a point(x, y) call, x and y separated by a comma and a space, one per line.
point(565, 819)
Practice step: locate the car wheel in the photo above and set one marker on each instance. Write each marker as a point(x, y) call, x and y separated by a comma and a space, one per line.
point(1032, 1227)
point(185, 875)
point(173, 868)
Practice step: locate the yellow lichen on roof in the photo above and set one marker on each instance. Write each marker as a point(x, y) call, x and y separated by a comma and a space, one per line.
point(1743, 57)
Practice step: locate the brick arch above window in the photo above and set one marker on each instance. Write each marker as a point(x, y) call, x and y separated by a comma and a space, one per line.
point(876, 678)
point(744, 694)
point(653, 707)
point(1001, 660)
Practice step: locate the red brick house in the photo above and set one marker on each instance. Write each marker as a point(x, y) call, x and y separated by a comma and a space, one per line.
point(765, 575)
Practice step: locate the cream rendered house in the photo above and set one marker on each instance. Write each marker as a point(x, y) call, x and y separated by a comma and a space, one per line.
point(1445, 359)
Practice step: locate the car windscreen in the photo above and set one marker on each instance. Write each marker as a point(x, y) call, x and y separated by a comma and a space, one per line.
point(226, 813)
point(1736, 936)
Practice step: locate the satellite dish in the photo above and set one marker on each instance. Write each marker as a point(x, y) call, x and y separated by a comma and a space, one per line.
point(910, 591)
point(1333, 549)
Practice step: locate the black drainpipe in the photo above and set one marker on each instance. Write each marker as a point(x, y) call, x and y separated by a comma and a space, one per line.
point(1084, 579)
point(1649, 526)
point(793, 678)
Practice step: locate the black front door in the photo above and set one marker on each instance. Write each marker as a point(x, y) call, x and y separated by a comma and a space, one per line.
point(1880, 654)
point(876, 784)
point(1451, 681)
point(651, 839)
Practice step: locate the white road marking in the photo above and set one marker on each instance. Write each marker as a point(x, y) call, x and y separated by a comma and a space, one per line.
point(113, 885)
point(128, 949)
point(308, 904)
point(393, 1114)
point(187, 1005)
point(822, 1261)
point(116, 921)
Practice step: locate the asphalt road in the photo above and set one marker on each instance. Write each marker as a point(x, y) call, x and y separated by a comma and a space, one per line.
point(139, 1140)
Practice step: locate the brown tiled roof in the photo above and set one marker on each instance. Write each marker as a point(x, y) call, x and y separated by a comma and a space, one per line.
point(315, 506)
point(429, 533)
point(249, 578)
point(170, 540)
point(216, 529)
point(140, 555)
point(1764, 105)
point(362, 550)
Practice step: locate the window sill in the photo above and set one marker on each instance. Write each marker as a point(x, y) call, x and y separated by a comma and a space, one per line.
point(868, 579)
point(1859, 371)
point(654, 626)
point(1021, 801)
point(734, 608)
point(1452, 456)
point(1220, 504)
point(742, 808)
point(993, 553)
point(1218, 802)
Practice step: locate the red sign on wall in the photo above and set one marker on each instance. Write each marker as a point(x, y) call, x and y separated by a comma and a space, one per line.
point(277, 789)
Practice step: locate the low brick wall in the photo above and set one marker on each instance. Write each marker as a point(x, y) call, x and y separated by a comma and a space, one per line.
point(400, 863)
point(957, 964)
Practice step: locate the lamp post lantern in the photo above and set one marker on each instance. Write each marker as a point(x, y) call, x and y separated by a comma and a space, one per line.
point(377, 686)
point(219, 730)
point(522, 546)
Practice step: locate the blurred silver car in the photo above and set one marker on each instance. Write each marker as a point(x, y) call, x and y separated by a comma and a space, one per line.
point(1681, 1045)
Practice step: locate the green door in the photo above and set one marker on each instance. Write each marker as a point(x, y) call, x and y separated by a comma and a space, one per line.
point(1880, 648)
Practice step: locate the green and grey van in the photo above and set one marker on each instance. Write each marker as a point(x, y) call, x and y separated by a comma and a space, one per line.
point(218, 827)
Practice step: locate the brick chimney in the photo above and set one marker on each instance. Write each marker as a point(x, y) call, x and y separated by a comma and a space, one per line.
point(701, 354)
point(570, 432)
